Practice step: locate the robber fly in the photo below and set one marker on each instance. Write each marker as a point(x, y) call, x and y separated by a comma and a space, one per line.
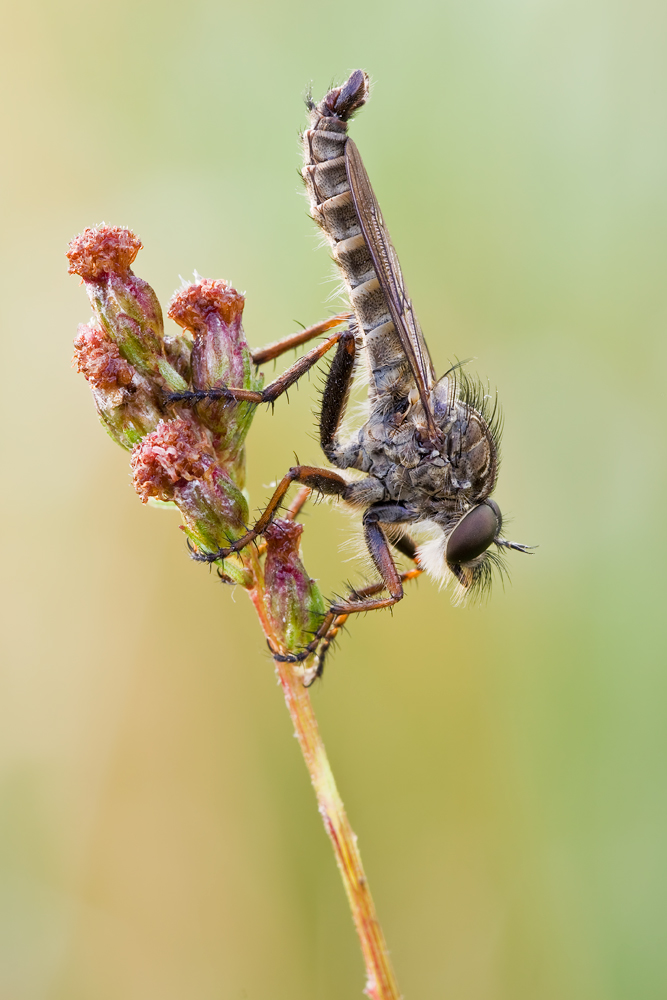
point(429, 448)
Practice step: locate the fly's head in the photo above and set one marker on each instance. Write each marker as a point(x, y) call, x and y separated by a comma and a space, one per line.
point(467, 552)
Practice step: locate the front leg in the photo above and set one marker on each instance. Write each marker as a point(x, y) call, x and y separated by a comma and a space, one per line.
point(378, 547)
point(323, 480)
point(366, 599)
point(323, 642)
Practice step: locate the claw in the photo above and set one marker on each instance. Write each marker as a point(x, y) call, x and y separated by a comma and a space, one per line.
point(211, 557)
point(299, 657)
point(196, 554)
point(290, 657)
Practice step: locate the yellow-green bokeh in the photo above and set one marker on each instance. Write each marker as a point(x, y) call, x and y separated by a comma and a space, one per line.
point(504, 766)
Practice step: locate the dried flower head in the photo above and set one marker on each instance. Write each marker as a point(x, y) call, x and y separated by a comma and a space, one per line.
point(176, 452)
point(98, 359)
point(192, 304)
point(126, 307)
point(101, 249)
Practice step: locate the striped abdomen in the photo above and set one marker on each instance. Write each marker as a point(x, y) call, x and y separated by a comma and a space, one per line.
point(333, 208)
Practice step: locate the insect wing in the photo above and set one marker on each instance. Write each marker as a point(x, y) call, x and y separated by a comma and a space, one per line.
point(390, 275)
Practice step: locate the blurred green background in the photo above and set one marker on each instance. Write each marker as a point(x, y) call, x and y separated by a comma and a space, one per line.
point(504, 765)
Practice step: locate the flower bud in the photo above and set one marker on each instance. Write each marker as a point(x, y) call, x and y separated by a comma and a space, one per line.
point(126, 307)
point(294, 604)
point(125, 401)
point(176, 462)
point(212, 310)
point(175, 453)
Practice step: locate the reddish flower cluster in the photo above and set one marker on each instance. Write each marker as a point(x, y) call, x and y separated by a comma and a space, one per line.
point(193, 457)
point(98, 359)
point(176, 452)
point(101, 249)
point(191, 305)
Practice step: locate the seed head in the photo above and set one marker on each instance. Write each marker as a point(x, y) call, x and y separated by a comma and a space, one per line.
point(175, 453)
point(98, 359)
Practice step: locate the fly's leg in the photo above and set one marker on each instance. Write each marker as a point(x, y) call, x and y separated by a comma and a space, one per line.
point(292, 374)
point(271, 392)
point(278, 347)
point(290, 514)
point(325, 642)
point(297, 503)
point(365, 599)
point(378, 547)
point(335, 396)
point(334, 402)
point(323, 480)
point(406, 547)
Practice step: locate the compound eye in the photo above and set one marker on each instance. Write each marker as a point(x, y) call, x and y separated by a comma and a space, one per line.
point(474, 533)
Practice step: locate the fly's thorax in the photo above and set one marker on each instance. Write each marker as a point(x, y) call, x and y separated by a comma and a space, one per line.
point(431, 480)
point(391, 447)
point(471, 451)
point(471, 431)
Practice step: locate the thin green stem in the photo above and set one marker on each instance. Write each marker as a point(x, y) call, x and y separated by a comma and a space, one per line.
point(380, 979)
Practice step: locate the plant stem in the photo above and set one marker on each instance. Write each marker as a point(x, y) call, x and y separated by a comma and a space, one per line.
point(380, 979)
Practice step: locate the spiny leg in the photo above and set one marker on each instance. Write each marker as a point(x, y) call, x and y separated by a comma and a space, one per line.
point(405, 545)
point(363, 599)
point(274, 389)
point(291, 513)
point(327, 640)
point(359, 601)
point(323, 480)
point(271, 392)
point(278, 347)
point(336, 394)
point(378, 547)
